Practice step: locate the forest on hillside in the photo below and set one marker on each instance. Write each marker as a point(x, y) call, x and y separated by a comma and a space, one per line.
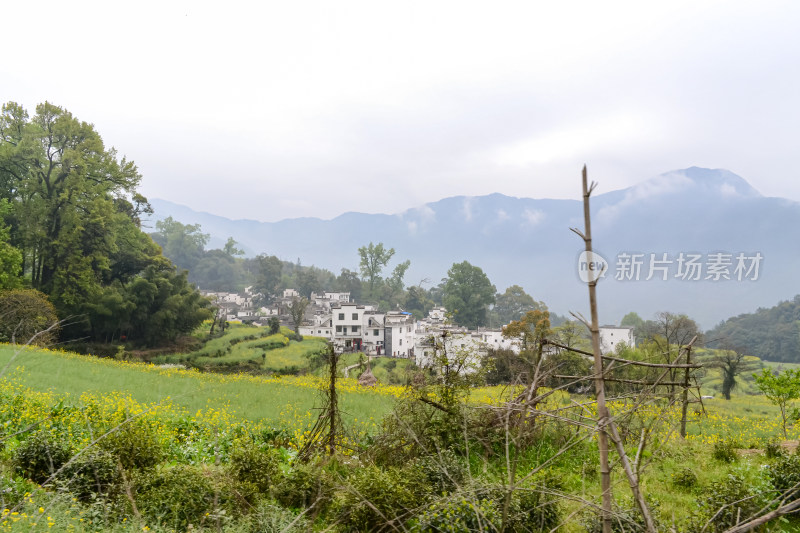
point(772, 334)
point(72, 249)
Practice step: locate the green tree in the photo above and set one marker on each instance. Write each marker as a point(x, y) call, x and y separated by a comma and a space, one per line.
point(418, 302)
point(307, 281)
point(633, 320)
point(297, 310)
point(75, 217)
point(65, 183)
point(268, 277)
point(731, 363)
point(514, 303)
point(230, 248)
point(373, 260)
point(348, 281)
point(165, 305)
point(183, 244)
point(529, 331)
point(780, 389)
point(10, 257)
point(274, 325)
point(573, 334)
point(467, 294)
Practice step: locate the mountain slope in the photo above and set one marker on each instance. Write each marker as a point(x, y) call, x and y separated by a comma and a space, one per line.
point(527, 242)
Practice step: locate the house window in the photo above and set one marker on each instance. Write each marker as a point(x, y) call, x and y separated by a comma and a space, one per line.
point(354, 329)
point(355, 316)
point(341, 316)
point(409, 329)
point(375, 332)
point(338, 329)
point(401, 342)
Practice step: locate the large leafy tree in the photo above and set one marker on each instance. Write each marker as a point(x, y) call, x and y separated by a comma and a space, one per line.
point(514, 303)
point(75, 218)
point(373, 259)
point(468, 293)
point(184, 244)
point(268, 277)
point(10, 257)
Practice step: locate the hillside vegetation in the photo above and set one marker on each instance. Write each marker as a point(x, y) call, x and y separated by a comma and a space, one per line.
point(771, 334)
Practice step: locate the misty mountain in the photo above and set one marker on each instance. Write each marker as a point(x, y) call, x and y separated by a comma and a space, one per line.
point(527, 241)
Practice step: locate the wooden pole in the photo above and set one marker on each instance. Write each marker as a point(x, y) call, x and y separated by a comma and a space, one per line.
point(685, 406)
point(604, 421)
point(332, 404)
point(599, 384)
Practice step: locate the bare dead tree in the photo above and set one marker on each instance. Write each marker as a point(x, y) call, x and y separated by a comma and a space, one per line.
point(605, 423)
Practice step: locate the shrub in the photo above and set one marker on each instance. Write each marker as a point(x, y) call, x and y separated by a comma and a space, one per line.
point(39, 456)
point(725, 503)
point(177, 496)
point(134, 444)
point(784, 474)
point(460, 515)
point(445, 472)
point(14, 490)
point(530, 508)
point(725, 451)
point(94, 472)
point(304, 486)
point(27, 316)
point(255, 465)
point(376, 497)
point(685, 478)
point(624, 519)
point(269, 517)
point(773, 449)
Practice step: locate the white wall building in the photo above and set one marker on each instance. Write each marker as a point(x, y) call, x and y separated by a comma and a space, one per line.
point(612, 336)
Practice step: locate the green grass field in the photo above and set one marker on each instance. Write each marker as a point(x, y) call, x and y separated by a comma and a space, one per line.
point(248, 397)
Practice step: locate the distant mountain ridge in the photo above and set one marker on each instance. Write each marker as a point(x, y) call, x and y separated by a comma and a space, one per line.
point(527, 241)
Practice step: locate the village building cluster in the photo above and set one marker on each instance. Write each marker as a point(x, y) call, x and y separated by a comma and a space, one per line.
point(353, 327)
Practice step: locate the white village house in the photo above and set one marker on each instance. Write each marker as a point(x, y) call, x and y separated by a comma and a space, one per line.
point(612, 336)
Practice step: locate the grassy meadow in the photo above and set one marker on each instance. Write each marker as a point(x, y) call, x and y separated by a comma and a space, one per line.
point(202, 419)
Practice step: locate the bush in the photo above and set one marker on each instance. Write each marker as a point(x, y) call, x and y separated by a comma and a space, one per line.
point(685, 478)
point(725, 451)
point(531, 508)
point(784, 474)
point(177, 496)
point(27, 315)
point(376, 497)
point(725, 503)
point(773, 449)
point(269, 517)
point(255, 465)
point(40, 455)
point(444, 472)
point(460, 515)
point(305, 485)
point(14, 490)
point(624, 520)
point(134, 444)
point(94, 472)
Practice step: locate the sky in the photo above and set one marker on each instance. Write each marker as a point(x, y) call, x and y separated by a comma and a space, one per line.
point(272, 110)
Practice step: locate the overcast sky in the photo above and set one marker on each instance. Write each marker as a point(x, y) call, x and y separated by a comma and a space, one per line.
point(272, 110)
